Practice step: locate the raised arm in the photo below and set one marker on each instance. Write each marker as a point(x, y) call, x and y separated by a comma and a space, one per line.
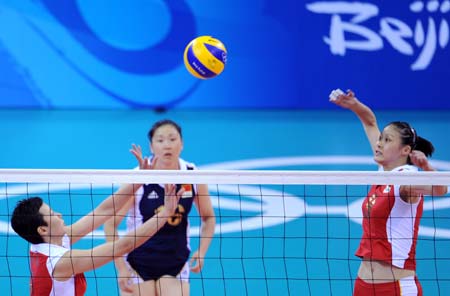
point(206, 211)
point(112, 224)
point(365, 114)
point(111, 234)
point(109, 207)
point(79, 261)
point(413, 193)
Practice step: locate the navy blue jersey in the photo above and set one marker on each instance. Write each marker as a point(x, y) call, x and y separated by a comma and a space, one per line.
point(167, 251)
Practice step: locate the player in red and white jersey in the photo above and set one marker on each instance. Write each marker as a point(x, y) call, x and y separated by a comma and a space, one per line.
point(390, 225)
point(391, 213)
point(58, 270)
point(43, 259)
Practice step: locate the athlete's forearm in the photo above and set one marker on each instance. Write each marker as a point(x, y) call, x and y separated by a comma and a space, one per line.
point(116, 201)
point(79, 261)
point(137, 237)
point(206, 234)
point(364, 113)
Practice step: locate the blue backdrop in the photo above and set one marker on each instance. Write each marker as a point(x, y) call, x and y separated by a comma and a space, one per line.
point(281, 54)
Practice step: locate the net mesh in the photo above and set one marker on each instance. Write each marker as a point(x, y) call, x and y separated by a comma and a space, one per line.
point(277, 232)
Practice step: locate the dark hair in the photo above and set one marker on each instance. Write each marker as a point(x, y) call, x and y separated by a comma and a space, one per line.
point(26, 219)
point(160, 123)
point(409, 137)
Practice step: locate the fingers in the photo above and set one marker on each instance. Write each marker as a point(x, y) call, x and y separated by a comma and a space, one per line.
point(418, 158)
point(350, 93)
point(195, 269)
point(171, 198)
point(125, 285)
point(193, 263)
point(145, 165)
point(180, 192)
point(196, 263)
point(335, 94)
point(153, 163)
point(169, 189)
point(136, 150)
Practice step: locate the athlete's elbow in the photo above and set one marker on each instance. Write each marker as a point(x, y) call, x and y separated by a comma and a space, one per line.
point(209, 219)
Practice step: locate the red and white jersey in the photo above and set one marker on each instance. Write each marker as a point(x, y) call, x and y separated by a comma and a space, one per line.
point(390, 226)
point(43, 258)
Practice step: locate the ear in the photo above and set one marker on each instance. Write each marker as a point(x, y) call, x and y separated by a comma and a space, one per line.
point(42, 230)
point(406, 150)
point(151, 148)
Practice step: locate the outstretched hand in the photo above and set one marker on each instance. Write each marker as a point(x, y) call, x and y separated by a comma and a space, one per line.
point(344, 100)
point(144, 164)
point(171, 198)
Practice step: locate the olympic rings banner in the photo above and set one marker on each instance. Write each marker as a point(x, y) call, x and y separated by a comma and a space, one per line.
point(110, 54)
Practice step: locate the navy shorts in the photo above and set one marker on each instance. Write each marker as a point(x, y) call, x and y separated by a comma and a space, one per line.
point(154, 267)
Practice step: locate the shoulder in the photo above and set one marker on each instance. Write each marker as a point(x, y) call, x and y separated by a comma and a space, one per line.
point(185, 165)
point(49, 250)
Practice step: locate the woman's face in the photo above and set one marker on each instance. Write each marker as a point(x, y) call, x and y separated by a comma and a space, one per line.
point(390, 151)
point(166, 144)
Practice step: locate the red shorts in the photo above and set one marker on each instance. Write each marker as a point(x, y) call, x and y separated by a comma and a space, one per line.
point(408, 286)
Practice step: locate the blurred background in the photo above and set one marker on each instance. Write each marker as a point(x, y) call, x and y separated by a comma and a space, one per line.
point(81, 80)
point(107, 54)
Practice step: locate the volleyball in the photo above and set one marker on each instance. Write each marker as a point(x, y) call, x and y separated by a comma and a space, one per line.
point(205, 57)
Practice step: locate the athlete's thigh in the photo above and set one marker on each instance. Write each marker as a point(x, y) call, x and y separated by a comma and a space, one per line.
point(147, 288)
point(122, 293)
point(171, 286)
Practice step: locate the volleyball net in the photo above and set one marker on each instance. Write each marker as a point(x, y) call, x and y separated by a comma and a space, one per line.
point(277, 232)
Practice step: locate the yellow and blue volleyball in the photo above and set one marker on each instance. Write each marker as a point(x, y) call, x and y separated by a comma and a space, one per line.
point(205, 57)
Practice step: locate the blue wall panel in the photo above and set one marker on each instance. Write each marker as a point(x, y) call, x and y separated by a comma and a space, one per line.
point(281, 54)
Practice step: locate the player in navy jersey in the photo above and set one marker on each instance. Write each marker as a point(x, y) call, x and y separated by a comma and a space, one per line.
point(56, 269)
point(391, 213)
point(161, 265)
